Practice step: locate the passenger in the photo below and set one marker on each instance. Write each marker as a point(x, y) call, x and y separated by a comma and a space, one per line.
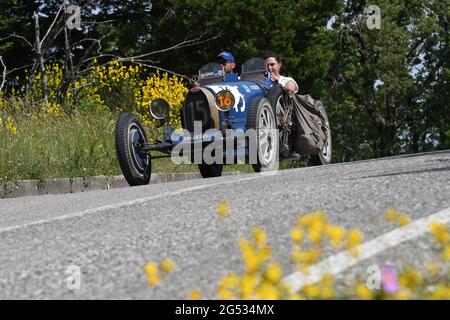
point(274, 65)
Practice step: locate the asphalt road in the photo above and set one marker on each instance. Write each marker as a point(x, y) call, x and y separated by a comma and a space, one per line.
point(110, 235)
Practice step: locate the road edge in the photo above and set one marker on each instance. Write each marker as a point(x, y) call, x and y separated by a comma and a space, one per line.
point(24, 188)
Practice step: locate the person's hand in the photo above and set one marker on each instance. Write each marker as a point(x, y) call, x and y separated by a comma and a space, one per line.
point(274, 77)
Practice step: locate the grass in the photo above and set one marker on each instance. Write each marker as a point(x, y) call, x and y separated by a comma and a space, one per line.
point(46, 147)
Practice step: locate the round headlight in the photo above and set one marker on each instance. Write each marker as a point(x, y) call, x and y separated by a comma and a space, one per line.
point(224, 100)
point(159, 108)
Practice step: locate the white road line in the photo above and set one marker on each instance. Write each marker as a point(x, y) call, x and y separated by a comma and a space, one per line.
point(121, 204)
point(340, 262)
point(136, 202)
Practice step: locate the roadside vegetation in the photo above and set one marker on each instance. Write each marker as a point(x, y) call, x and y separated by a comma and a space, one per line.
point(45, 139)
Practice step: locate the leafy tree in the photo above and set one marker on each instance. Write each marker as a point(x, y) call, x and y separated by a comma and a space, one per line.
point(380, 98)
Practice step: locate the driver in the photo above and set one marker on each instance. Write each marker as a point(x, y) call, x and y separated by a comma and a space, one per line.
point(226, 59)
point(274, 65)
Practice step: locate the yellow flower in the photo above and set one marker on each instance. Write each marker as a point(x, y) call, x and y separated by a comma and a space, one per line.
point(248, 285)
point(268, 292)
point(167, 265)
point(390, 214)
point(10, 126)
point(229, 281)
point(260, 237)
point(195, 294)
point(335, 234)
point(446, 253)
point(253, 259)
point(223, 209)
point(153, 279)
point(326, 293)
point(317, 216)
point(304, 220)
point(151, 270)
point(225, 294)
point(354, 238)
point(273, 273)
point(327, 280)
point(296, 296)
point(441, 292)
point(402, 295)
point(296, 235)
point(308, 256)
point(315, 229)
point(403, 219)
point(312, 291)
point(363, 292)
point(439, 232)
point(410, 279)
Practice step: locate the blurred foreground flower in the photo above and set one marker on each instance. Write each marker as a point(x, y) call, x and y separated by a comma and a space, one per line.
point(195, 294)
point(389, 280)
point(223, 209)
point(153, 272)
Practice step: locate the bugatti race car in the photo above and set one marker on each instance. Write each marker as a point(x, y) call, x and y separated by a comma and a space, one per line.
point(227, 119)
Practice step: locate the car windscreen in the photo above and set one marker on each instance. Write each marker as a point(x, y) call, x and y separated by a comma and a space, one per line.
point(254, 69)
point(210, 73)
point(254, 65)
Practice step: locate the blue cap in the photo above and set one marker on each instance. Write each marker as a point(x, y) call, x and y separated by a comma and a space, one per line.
point(226, 56)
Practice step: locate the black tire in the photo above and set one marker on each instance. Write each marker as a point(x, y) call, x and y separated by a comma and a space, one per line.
point(274, 95)
point(267, 159)
point(210, 170)
point(324, 157)
point(136, 167)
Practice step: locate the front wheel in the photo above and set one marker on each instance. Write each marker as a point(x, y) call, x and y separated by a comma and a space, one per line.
point(210, 170)
point(324, 157)
point(130, 137)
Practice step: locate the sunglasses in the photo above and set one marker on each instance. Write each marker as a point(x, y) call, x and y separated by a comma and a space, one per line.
point(224, 63)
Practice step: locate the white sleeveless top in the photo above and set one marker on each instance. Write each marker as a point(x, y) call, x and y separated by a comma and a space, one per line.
point(284, 81)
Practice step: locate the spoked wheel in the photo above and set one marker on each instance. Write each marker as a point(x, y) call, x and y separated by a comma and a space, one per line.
point(261, 119)
point(130, 137)
point(324, 157)
point(277, 100)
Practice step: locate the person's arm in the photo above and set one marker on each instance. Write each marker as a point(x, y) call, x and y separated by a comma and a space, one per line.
point(291, 86)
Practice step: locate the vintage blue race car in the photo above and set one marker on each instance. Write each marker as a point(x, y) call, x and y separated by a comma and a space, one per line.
point(226, 119)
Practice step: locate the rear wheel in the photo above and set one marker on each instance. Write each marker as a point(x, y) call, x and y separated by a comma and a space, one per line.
point(275, 96)
point(130, 137)
point(324, 157)
point(261, 119)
